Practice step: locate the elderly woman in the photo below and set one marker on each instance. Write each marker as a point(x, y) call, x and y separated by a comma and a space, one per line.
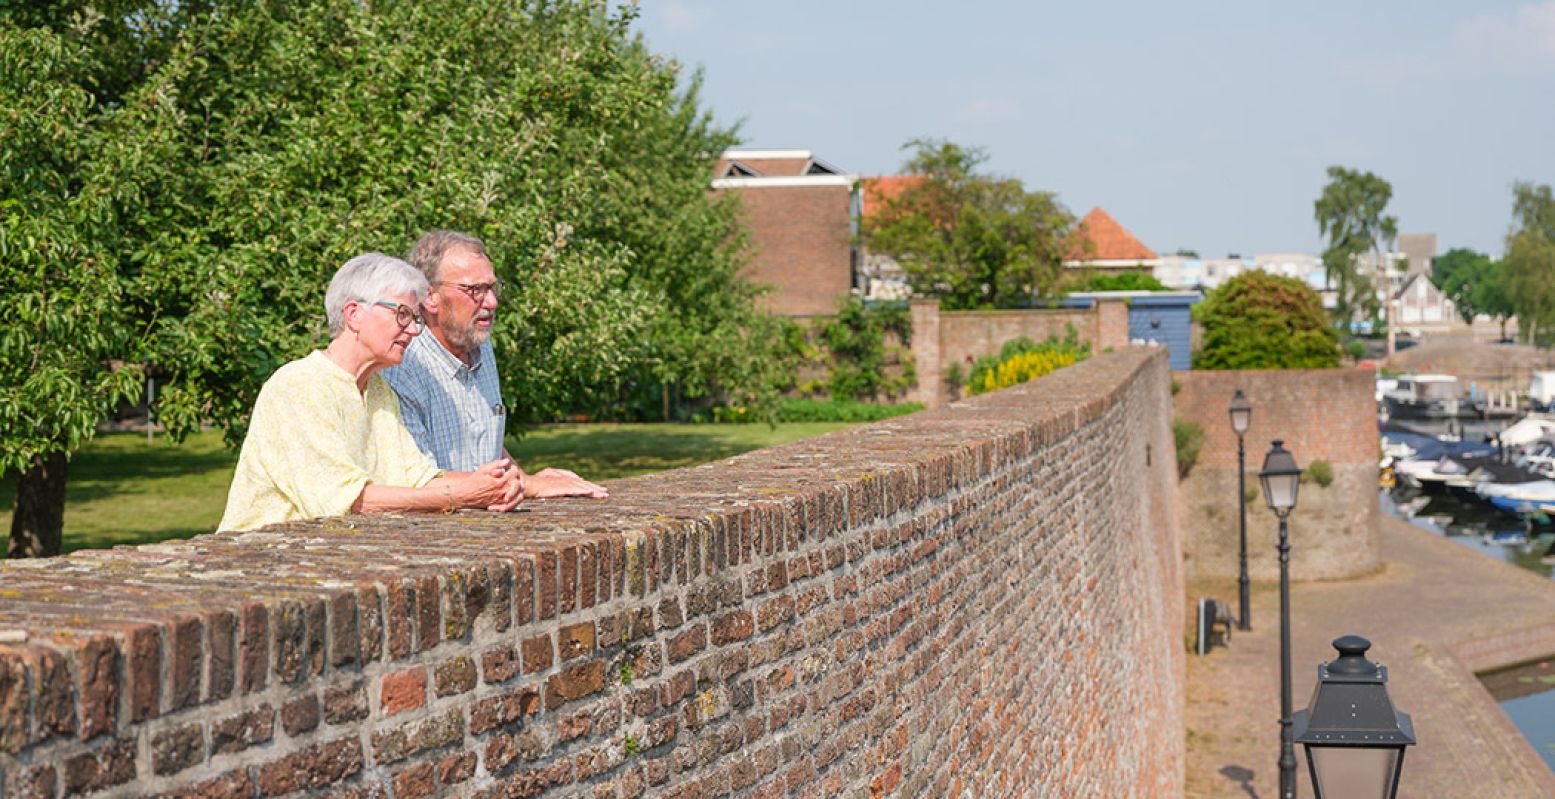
point(327, 438)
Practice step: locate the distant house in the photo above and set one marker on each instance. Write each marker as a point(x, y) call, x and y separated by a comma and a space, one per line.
point(880, 276)
point(1420, 302)
point(801, 213)
point(1100, 244)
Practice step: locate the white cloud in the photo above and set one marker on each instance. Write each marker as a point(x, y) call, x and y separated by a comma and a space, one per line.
point(680, 18)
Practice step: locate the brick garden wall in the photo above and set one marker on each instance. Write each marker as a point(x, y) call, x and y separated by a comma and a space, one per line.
point(983, 600)
point(1328, 414)
point(943, 338)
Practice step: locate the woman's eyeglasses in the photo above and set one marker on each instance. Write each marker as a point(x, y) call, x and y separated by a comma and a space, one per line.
point(403, 314)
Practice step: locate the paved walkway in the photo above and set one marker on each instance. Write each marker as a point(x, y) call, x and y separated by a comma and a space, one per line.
point(1437, 613)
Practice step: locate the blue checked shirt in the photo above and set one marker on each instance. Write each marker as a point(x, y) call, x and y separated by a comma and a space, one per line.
point(454, 412)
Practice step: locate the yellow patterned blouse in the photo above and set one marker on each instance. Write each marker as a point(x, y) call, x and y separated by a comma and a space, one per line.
point(314, 443)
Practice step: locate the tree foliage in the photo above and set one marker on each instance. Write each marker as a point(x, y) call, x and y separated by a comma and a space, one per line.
point(1138, 280)
point(973, 240)
point(1475, 283)
point(1351, 214)
point(1530, 259)
point(1257, 320)
point(855, 339)
point(184, 179)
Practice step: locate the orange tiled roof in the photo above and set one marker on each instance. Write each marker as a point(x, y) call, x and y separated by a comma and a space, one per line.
point(1111, 240)
point(880, 190)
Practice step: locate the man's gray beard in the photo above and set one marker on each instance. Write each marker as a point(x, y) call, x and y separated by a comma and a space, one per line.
point(468, 338)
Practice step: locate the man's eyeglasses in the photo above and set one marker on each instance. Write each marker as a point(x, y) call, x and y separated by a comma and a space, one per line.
point(403, 314)
point(478, 291)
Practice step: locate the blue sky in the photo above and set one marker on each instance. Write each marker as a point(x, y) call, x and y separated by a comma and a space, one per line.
point(1206, 125)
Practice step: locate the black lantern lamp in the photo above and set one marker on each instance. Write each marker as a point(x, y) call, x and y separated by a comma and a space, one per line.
point(1241, 413)
point(1281, 479)
point(1241, 417)
point(1354, 738)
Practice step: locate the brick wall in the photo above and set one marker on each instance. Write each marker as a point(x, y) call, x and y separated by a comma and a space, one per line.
point(983, 600)
point(801, 244)
point(942, 338)
point(1328, 414)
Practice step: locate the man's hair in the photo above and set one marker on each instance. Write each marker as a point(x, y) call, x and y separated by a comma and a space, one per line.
point(427, 254)
point(369, 277)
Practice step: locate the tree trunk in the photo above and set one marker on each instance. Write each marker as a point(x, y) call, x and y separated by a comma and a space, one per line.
point(38, 519)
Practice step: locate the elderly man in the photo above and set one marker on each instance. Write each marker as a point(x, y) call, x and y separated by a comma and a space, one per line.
point(449, 393)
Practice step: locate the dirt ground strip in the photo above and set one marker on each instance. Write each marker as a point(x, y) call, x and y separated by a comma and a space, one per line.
point(1436, 613)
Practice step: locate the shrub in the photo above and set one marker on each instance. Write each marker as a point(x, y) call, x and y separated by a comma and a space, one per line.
point(856, 340)
point(1189, 438)
point(1022, 359)
point(1320, 472)
point(1356, 349)
point(1261, 321)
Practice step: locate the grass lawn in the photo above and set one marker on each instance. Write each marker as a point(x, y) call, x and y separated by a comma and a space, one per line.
point(122, 490)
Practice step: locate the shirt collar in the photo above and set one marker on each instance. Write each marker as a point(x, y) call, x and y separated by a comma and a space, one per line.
point(445, 360)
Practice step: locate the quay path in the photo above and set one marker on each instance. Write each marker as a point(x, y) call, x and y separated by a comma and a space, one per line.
point(1436, 613)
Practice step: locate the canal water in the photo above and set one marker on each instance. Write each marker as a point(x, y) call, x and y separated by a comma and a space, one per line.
point(1526, 693)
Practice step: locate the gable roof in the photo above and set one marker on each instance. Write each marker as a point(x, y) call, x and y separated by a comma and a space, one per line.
point(880, 190)
point(1111, 241)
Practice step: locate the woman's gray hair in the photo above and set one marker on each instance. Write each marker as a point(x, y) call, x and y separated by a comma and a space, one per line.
point(370, 277)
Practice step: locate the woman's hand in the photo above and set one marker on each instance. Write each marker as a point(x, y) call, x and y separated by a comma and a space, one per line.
point(497, 486)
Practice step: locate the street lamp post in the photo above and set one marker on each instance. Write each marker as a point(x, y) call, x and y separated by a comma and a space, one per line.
point(1241, 417)
point(1354, 738)
point(1281, 480)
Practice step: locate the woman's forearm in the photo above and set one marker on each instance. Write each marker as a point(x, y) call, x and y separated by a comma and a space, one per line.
point(436, 496)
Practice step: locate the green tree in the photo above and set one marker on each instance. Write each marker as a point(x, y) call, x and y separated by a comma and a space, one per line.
point(1257, 320)
point(194, 216)
point(1530, 259)
point(1351, 214)
point(76, 173)
point(973, 240)
point(1475, 283)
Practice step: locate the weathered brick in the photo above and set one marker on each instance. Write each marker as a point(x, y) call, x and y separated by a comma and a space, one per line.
point(111, 764)
point(178, 748)
point(314, 767)
point(300, 715)
point(254, 648)
point(145, 672)
point(499, 664)
point(455, 769)
point(346, 703)
point(731, 627)
point(238, 732)
point(403, 690)
point(687, 643)
point(400, 618)
point(538, 654)
point(13, 701)
point(574, 682)
point(429, 622)
point(415, 782)
point(345, 635)
point(36, 782)
point(576, 640)
point(221, 629)
point(455, 676)
point(232, 785)
point(187, 647)
point(492, 712)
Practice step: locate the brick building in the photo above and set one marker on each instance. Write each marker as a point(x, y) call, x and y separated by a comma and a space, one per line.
point(802, 214)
